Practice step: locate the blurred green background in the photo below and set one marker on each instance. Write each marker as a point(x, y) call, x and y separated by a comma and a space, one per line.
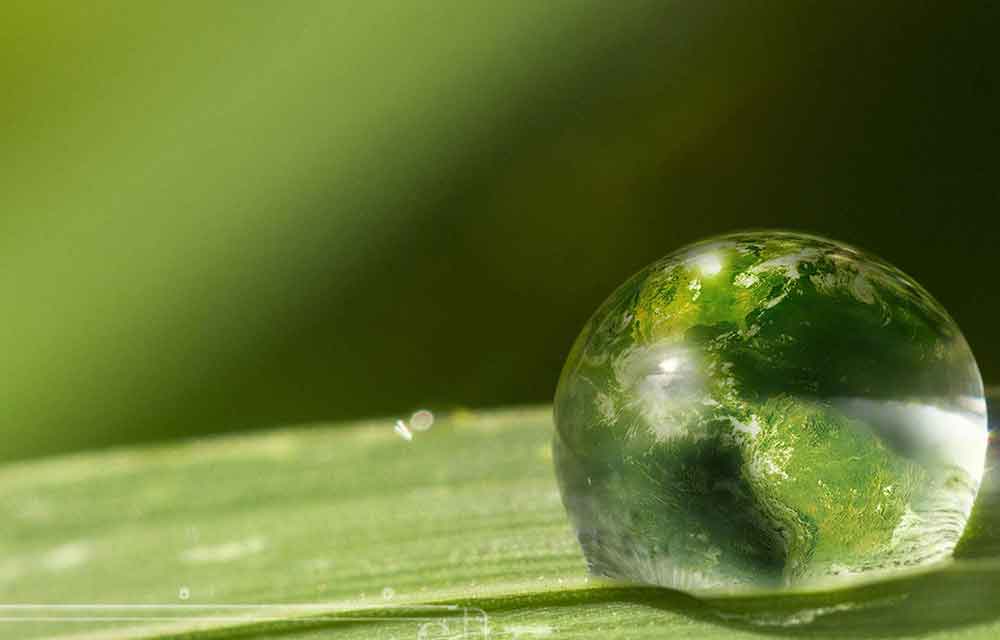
point(231, 215)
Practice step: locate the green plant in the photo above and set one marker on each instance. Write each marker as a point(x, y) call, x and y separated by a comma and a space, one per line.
point(375, 535)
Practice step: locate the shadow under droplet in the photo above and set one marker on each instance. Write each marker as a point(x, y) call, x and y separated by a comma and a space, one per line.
point(956, 596)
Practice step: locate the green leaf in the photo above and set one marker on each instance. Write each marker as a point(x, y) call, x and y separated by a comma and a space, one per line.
point(356, 532)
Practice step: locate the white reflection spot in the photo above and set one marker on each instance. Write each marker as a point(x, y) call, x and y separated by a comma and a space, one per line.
point(709, 264)
point(927, 431)
point(403, 431)
point(66, 556)
point(226, 552)
point(670, 365)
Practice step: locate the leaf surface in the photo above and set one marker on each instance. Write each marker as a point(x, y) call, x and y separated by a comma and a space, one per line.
point(353, 531)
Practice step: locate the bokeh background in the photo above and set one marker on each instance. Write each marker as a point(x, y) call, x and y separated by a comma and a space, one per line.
point(221, 216)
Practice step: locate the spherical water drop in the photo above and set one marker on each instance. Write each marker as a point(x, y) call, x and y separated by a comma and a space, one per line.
point(422, 420)
point(768, 409)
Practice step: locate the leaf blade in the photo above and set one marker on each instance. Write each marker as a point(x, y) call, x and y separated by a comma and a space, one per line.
point(466, 515)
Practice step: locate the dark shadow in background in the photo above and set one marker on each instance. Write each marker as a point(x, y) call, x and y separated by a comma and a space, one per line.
point(873, 125)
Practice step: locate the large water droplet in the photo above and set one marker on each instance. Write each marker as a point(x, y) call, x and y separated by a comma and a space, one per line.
point(768, 409)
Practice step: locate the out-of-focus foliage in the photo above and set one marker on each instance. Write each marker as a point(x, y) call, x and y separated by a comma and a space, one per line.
point(227, 215)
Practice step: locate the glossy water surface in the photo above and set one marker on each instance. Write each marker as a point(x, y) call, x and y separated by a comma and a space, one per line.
point(768, 409)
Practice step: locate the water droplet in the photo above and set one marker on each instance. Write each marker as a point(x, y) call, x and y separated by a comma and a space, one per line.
point(804, 414)
point(388, 593)
point(184, 593)
point(403, 431)
point(422, 420)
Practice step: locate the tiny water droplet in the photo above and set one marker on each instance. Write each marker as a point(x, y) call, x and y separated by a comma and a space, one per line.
point(422, 420)
point(183, 593)
point(388, 593)
point(403, 431)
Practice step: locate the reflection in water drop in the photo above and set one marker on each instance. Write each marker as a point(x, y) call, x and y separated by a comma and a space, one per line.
point(768, 410)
